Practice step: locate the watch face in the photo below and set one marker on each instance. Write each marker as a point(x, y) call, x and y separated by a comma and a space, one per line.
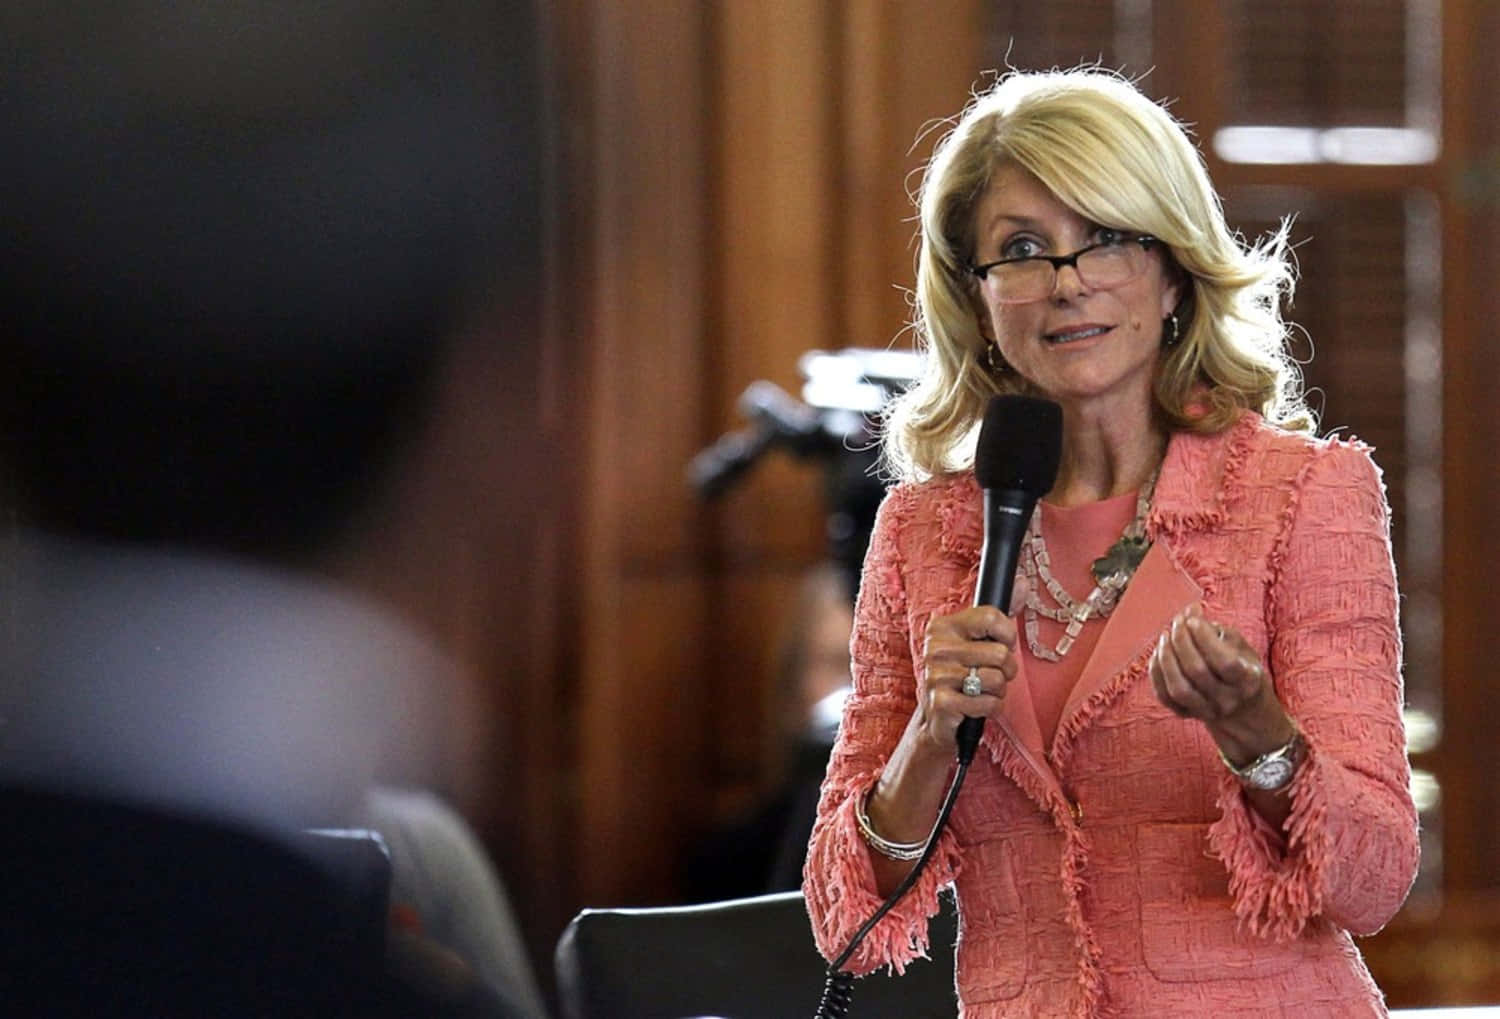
point(1272, 774)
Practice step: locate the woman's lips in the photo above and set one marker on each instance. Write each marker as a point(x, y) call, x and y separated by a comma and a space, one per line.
point(1075, 334)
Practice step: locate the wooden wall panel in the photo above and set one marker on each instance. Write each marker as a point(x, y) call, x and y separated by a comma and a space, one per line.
point(772, 261)
point(772, 250)
point(642, 756)
point(643, 352)
point(1286, 71)
point(1471, 434)
point(871, 306)
point(908, 68)
point(818, 105)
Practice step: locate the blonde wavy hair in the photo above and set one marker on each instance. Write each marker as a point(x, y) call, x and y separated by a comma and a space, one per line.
point(1117, 159)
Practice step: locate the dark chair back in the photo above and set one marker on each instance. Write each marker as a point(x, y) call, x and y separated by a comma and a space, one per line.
point(740, 959)
point(132, 911)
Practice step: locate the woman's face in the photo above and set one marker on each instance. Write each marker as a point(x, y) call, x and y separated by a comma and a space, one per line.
point(1082, 346)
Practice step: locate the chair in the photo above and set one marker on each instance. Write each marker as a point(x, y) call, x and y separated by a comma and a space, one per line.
point(132, 911)
point(741, 959)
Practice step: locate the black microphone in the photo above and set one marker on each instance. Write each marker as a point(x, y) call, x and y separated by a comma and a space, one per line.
point(1015, 463)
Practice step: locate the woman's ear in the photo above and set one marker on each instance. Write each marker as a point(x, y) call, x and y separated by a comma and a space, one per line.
point(982, 319)
point(1176, 290)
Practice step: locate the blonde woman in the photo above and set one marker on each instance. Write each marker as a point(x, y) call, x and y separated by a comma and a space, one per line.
point(1192, 788)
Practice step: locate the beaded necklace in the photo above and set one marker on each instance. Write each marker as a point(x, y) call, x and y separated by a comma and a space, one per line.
point(1112, 572)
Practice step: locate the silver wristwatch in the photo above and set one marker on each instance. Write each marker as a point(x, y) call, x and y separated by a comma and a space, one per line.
point(1270, 771)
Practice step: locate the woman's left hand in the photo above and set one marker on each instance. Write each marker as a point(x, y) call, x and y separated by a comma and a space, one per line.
point(1207, 671)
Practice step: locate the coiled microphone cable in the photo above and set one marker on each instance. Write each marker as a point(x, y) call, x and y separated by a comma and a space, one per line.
point(838, 988)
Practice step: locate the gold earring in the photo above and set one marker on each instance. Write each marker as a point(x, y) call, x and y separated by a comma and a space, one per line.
point(996, 360)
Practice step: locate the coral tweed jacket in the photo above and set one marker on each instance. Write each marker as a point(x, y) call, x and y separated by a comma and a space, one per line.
point(1121, 872)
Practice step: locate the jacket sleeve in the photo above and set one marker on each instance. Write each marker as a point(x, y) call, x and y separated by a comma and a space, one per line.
point(1349, 852)
point(838, 880)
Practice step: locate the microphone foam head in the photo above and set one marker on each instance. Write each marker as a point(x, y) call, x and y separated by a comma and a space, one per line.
point(1020, 444)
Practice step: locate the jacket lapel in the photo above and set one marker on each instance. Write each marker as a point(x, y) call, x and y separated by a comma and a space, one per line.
point(1158, 591)
point(1019, 719)
point(1015, 742)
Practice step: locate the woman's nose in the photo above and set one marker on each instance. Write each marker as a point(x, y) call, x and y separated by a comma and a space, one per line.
point(1069, 283)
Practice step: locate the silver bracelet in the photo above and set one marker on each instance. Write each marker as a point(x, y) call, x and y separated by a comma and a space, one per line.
point(902, 851)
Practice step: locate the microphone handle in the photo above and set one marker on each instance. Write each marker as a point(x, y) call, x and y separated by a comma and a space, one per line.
point(1007, 512)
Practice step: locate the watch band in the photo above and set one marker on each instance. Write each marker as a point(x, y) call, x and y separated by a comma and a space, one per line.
point(1272, 770)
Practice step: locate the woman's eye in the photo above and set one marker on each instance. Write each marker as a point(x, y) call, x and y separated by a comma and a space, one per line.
point(1109, 235)
point(1021, 247)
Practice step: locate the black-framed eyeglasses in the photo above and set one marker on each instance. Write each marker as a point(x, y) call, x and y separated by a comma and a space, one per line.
point(1101, 266)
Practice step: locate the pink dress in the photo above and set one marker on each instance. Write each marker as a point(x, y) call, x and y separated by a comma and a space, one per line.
point(1120, 871)
point(1075, 537)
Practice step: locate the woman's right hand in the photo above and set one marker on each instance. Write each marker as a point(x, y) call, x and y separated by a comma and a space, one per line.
point(905, 801)
point(981, 638)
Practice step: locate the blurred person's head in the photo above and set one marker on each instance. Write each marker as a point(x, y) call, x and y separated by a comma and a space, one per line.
point(241, 239)
point(260, 257)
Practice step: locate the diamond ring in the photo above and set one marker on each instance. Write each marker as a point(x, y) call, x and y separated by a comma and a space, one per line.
point(972, 686)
